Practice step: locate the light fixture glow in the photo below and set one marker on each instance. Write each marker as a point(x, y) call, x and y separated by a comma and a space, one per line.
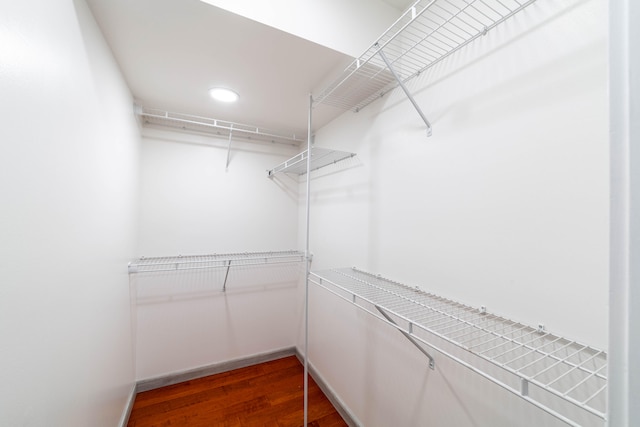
point(223, 95)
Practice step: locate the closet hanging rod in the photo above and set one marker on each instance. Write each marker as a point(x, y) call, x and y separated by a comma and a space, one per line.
point(545, 366)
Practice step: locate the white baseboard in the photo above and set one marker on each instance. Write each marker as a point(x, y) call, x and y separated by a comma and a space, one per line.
point(216, 368)
point(337, 403)
point(124, 419)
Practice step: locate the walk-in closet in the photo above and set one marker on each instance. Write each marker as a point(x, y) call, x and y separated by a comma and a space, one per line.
point(364, 212)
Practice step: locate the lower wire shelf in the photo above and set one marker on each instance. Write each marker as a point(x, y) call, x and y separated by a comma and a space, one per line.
point(198, 262)
point(159, 278)
point(562, 377)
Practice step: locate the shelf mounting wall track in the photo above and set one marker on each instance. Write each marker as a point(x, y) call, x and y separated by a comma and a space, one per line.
point(320, 157)
point(562, 377)
point(428, 32)
point(220, 128)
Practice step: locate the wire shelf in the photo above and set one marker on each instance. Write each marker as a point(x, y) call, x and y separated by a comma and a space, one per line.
point(202, 262)
point(555, 374)
point(205, 125)
point(428, 32)
point(167, 279)
point(320, 157)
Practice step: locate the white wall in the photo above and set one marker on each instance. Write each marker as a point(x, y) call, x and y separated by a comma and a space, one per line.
point(190, 204)
point(505, 206)
point(68, 160)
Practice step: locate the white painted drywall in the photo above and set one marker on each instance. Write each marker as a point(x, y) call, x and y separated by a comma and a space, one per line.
point(68, 185)
point(349, 27)
point(505, 206)
point(191, 204)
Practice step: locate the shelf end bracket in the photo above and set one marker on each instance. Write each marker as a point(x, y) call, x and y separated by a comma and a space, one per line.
point(404, 88)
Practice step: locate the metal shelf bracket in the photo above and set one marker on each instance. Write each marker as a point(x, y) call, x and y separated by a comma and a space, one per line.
point(432, 363)
point(229, 147)
point(404, 88)
point(226, 276)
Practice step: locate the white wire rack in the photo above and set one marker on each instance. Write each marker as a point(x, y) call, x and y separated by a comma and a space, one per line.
point(428, 32)
point(200, 262)
point(562, 377)
point(166, 278)
point(320, 157)
point(205, 125)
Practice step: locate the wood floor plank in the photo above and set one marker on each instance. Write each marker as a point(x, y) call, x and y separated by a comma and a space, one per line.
point(269, 394)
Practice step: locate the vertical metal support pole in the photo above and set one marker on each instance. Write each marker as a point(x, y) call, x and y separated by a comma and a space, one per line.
point(404, 88)
point(306, 285)
point(623, 385)
point(229, 148)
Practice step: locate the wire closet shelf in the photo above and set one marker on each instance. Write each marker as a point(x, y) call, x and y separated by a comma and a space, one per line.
point(320, 157)
point(200, 262)
point(428, 32)
point(209, 126)
point(562, 377)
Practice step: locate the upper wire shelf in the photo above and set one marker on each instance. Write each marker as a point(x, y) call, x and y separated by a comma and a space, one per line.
point(564, 378)
point(199, 262)
point(428, 32)
point(216, 127)
point(320, 157)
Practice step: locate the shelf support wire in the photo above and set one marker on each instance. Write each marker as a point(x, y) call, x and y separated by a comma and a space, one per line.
point(404, 88)
point(308, 272)
point(226, 276)
point(229, 147)
point(432, 363)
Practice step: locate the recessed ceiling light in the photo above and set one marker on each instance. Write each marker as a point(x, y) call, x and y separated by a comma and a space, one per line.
point(223, 95)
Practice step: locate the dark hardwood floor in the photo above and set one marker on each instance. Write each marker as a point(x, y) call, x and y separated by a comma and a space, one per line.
point(269, 394)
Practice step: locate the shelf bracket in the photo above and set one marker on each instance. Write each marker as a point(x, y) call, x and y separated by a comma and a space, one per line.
point(229, 148)
point(226, 276)
point(404, 88)
point(432, 363)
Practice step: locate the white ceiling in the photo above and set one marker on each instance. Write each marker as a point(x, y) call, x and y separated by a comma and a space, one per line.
point(172, 51)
